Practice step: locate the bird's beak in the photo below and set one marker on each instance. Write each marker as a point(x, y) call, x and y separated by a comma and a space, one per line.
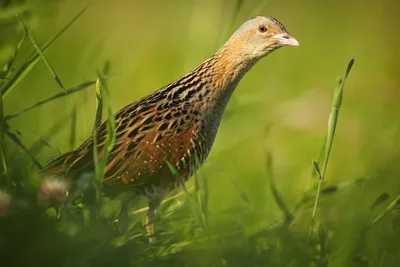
point(285, 39)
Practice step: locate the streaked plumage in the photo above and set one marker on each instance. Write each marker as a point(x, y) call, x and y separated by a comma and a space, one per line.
point(176, 122)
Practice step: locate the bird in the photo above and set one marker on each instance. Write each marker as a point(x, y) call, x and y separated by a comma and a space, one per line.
point(176, 125)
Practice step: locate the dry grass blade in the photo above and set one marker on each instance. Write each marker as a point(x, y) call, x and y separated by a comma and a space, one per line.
point(54, 97)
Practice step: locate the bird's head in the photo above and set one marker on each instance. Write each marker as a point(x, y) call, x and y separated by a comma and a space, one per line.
point(259, 36)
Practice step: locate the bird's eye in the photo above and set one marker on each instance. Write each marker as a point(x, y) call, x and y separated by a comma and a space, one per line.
point(262, 28)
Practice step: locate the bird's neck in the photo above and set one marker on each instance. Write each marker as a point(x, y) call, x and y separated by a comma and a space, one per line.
point(225, 69)
point(212, 83)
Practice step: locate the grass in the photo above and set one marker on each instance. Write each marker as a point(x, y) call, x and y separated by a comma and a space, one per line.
point(326, 150)
point(332, 224)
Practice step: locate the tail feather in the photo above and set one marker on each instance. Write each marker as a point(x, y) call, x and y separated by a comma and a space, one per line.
point(57, 166)
point(68, 164)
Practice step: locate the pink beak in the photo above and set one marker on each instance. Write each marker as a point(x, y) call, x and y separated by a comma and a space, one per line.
point(286, 39)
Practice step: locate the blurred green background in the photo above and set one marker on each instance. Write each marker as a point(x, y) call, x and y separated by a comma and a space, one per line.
point(281, 106)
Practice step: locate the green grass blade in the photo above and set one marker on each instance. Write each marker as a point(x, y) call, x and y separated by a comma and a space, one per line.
point(16, 140)
point(101, 85)
point(241, 193)
point(98, 168)
point(54, 130)
point(308, 199)
point(379, 201)
point(193, 201)
point(3, 162)
point(237, 187)
point(110, 140)
point(258, 9)
point(63, 29)
point(204, 197)
point(195, 207)
point(10, 62)
point(8, 11)
point(172, 169)
point(226, 31)
point(100, 163)
point(395, 203)
point(34, 59)
point(332, 122)
point(317, 169)
point(99, 105)
point(42, 55)
point(336, 104)
point(34, 137)
point(201, 192)
point(54, 97)
point(72, 135)
point(236, 11)
point(275, 193)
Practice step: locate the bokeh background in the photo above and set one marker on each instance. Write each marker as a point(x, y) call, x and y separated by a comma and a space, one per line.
point(281, 106)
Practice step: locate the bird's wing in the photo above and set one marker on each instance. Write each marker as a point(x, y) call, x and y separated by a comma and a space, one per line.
point(147, 136)
point(146, 146)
